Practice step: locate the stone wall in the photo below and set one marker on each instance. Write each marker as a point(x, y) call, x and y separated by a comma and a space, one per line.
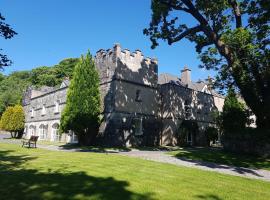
point(131, 100)
point(49, 101)
point(179, 103)
point(119, 130)
point(129, 93)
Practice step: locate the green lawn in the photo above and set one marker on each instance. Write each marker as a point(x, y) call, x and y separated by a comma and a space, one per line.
point(41, 174)
point(221, 157)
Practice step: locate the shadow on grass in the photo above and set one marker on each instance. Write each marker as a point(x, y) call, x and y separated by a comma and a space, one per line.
point(218, 156)
point(101, 149)
point(19, 183)
point(208, 197)
point(97, 149)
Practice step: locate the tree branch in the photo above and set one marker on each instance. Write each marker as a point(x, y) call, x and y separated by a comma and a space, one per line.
point(189, 31)
point(237, 12)
point(175, 7)
point(209, 32)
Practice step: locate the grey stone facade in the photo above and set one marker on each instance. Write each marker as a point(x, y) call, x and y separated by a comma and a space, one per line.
point(139, 107)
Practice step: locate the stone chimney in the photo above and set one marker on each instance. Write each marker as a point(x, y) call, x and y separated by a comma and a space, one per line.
point(186, 75)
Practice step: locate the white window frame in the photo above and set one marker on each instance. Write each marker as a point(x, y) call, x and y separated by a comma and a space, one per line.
point(57, 107)
point(55, 134)
point(42, 132)
point(32, 112)
point(32, 131)
point(43, 111)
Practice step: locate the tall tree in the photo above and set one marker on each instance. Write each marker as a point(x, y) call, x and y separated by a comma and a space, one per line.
point(234, 116)
point(13, 120)
point(11, 89)
point(238, 49)
point(81, 113)
point(7, 32)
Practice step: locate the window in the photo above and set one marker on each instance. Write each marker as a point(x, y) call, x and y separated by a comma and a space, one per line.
point(57, 109)
point(187, 108)
point(43, 111)
point(138, 96)
point(42, 132)
point(32, 130)
point(25, 131)
point(189, 138)
point(138, 130)
point(32, 112)
point(73, 137)
point(107, 72)
point(55, 132)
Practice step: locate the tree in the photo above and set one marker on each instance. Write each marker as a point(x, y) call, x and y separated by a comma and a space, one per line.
point(234, 116)
point(13, 85)
point(81, 113)
point(65, 68)
point(43, 76)
point(13, 120)
point(238, 49)
point(7, 32)
point(211, 134)
point(2, 77)
point(11, 89)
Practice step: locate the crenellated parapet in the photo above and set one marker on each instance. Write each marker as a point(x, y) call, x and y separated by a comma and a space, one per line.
point(126, 65)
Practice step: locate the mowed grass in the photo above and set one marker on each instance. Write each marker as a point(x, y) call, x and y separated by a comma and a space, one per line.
point(219, 156)
point(42, 174)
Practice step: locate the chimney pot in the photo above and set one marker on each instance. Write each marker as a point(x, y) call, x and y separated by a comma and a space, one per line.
point(186, 75)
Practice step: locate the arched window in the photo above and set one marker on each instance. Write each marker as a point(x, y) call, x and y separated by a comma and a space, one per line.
point(55, 132)
point(43, 132)
point(32, 130)
point(25, 131)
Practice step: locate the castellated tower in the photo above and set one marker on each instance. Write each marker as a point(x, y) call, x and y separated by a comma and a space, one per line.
point(129, 96)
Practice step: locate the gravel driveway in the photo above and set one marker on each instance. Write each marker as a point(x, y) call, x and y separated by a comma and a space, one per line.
point(161, 156)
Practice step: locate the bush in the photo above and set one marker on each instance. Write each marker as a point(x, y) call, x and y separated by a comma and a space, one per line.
point(234, 117)
point(248, 140)
point(12, 120)
point(211, 134)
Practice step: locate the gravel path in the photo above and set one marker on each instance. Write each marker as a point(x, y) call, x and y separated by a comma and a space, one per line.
point(161, 156)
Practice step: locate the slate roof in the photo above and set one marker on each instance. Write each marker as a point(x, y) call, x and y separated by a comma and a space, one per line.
point(65, 83)
point(45, 89)
point(197, 86)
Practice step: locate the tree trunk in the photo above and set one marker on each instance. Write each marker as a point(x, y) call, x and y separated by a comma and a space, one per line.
point(263, 120)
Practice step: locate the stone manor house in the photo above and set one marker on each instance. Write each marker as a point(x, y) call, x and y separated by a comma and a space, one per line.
point(139, 106)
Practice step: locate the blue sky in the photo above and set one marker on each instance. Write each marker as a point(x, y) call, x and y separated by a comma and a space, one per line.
point(51, 30)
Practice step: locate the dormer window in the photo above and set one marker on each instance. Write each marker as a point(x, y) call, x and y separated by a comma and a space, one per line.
point(57, 109)
point(43, 111)
point(138, 96)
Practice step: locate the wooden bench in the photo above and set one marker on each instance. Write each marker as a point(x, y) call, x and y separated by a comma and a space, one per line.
point(32, 141)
